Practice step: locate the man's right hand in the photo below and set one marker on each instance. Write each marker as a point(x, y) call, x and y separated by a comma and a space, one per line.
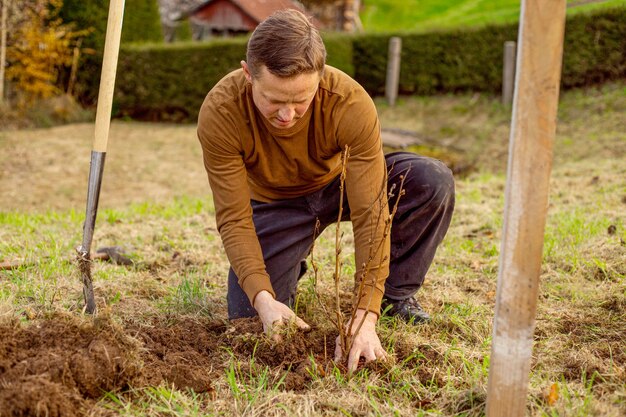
point(274, 315)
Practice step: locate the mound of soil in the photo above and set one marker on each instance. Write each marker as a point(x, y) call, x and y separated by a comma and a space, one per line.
point(61, 365)
point(56, 366)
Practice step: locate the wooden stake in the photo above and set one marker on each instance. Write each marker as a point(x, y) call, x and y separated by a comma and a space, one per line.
point(393, 70)
point(508, 72)
point(533, 127)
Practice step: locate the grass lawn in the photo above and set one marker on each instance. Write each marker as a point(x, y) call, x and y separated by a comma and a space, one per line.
point(161, 344)
point(426, 15)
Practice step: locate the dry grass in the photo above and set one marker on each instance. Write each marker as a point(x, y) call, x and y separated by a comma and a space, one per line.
point(156, 203)
point(44, 169)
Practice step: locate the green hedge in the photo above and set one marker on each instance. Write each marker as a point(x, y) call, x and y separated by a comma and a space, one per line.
point(471, 60)
point(595, 48)
point(169, 82)
point(436, 63)
point(339, 51)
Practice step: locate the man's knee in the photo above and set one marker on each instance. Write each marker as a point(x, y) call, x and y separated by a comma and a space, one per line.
point(427, 177)
point(437, 177)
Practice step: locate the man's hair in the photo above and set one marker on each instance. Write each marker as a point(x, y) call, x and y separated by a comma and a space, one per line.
point(287, 44)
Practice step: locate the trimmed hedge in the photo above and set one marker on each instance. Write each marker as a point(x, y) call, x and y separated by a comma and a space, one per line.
point(595, 48)
point(339, 51)
point(471, 60)
point(430, 64)
point(169, 82)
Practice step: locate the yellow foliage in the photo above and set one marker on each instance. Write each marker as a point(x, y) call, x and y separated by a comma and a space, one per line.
point(43, 46)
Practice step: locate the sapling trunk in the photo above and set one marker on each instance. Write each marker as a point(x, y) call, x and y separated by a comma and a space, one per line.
point(346, 336)
point(337, 274)
point(383, 257)
point(315, 268)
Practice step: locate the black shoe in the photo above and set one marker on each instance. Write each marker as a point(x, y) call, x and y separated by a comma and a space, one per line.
point(408, 310)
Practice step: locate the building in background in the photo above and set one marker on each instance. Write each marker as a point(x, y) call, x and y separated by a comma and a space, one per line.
point(208, 18)
point(233, 17)
point(336, 15)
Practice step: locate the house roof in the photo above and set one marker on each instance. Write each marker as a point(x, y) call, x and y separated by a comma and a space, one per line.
point(258, 10)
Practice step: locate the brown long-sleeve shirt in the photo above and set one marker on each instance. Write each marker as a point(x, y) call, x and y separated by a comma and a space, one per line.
point(247, 158)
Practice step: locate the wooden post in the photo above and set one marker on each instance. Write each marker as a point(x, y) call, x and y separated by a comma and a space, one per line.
point(508, 72)
point(533, 127)
point(393, 70)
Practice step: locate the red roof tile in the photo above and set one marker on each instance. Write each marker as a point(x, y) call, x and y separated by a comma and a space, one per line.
point(259, 10)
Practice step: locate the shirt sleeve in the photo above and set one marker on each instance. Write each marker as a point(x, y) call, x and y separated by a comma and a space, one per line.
point(222, 153)
point(366, 187)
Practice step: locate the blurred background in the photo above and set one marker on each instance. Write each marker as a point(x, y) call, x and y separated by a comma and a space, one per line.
point(173, 51)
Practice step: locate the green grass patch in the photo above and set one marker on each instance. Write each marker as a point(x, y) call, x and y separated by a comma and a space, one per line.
point(166, 313)
point(428, 15)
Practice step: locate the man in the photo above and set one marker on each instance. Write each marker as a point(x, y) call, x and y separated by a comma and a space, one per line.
point(272, 135)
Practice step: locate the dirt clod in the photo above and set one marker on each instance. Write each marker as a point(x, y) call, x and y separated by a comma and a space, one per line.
point(36, 395)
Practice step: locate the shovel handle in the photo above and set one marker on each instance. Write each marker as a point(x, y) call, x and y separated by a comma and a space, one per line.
point(107, 78)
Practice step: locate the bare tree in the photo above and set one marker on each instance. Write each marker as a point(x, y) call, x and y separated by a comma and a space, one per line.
point(3, 46)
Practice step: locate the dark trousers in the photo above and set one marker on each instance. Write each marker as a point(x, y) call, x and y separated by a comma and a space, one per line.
point(286, 230)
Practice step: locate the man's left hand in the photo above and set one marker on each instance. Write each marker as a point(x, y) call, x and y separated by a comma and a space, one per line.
point(366, 342)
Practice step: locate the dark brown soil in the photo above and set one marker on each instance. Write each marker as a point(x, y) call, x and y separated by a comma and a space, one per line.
point(55, 367)
point(61, 365)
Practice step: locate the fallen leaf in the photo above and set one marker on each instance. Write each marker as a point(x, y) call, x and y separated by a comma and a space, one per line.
point(554, 394)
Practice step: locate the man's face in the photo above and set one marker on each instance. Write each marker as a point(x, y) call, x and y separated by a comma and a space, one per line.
point(282, 101)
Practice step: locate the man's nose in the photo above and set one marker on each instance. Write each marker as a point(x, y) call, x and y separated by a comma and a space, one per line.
point(287, 113)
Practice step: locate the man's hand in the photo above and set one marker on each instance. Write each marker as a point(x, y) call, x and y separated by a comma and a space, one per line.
point(274, 315)
point(366, 343)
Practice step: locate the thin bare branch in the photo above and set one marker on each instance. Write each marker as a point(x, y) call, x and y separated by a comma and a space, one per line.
point(386, 232)
point(315, 268)
point(337, 274)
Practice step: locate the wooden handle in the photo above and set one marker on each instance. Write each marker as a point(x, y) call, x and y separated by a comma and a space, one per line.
point(107, 79)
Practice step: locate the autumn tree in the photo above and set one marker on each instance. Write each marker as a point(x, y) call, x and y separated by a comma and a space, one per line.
point(39, 46)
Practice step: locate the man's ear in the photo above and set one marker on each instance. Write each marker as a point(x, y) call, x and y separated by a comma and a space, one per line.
point(246, 71)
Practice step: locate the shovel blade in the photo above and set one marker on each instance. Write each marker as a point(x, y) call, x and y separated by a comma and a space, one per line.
point(84, 265)
point(84, 251)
